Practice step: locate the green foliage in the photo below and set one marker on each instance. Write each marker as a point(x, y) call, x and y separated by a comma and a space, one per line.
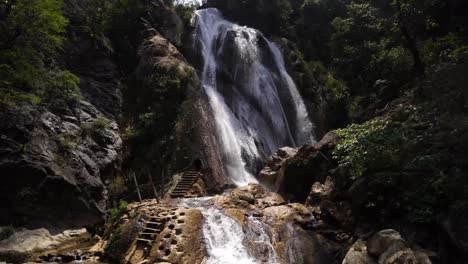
point(6, 232)
point(64, 85)
point(405, 162)
point(327, 79)
point(36, 25)
point(11, 98)
point(98, 125)
point(114, 247)
point(66, 142)
point(32, 34)
point(186, 12)
point(117, 212)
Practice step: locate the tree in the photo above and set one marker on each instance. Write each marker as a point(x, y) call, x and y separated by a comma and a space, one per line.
point(32, 33)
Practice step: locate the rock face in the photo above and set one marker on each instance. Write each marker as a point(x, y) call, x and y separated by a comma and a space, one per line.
point(269, 174)
point(292, 172)
point(55, 164)
point(56, 159)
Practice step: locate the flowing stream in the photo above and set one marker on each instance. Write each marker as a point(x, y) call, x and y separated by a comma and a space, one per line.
point(256, 105)
point(224, 237)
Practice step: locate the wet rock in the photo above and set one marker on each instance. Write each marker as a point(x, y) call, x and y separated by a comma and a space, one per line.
point(250, 197)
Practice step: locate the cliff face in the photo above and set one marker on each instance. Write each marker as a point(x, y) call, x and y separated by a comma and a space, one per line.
point(55, 160)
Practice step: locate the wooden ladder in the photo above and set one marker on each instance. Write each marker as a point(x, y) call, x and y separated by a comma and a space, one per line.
point(189, 178)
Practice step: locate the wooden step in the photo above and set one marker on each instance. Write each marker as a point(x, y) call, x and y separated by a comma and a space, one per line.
point(183, 187)
point(144, 240)
point(152, 223)
point(153, 229)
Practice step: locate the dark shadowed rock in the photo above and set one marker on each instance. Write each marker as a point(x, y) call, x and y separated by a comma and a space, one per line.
point(55, 164)
point(269, 174)
point(310, 164)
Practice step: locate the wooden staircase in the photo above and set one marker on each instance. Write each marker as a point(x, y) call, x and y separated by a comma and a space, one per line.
point(189, 178)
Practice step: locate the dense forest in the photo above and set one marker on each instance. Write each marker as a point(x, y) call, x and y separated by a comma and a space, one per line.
point(104, 103)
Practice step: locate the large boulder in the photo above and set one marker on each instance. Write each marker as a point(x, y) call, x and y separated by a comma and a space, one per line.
point(358, 254)
point(269, 174)
point(390, 248)
point(310, 164)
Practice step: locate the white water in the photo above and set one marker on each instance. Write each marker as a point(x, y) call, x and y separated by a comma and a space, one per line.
point(256, 105)
point(257, 231)
point(188, 2)
point(224, 237)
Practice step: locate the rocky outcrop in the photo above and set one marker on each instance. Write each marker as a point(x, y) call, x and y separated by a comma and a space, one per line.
point(293, 172)
point(291, 225)
point(269, 174)
point(42, 245)
point(183, 101)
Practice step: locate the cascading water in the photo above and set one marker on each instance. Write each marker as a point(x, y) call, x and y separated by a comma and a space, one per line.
point(256, 104)
point(258, 232)
point(257, 109)
point(224, 237)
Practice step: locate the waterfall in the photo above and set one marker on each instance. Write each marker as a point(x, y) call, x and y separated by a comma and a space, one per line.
point(256, 105)
point(258, 233)
point(224, 237)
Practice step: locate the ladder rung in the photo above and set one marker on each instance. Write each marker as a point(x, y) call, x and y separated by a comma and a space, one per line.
point(144, 240)
point(153, 229)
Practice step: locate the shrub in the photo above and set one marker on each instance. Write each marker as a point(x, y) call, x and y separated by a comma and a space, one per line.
point(66, 142)
point(118, 211)
point(64, 85)
point(6, 232)
point(98, 125)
